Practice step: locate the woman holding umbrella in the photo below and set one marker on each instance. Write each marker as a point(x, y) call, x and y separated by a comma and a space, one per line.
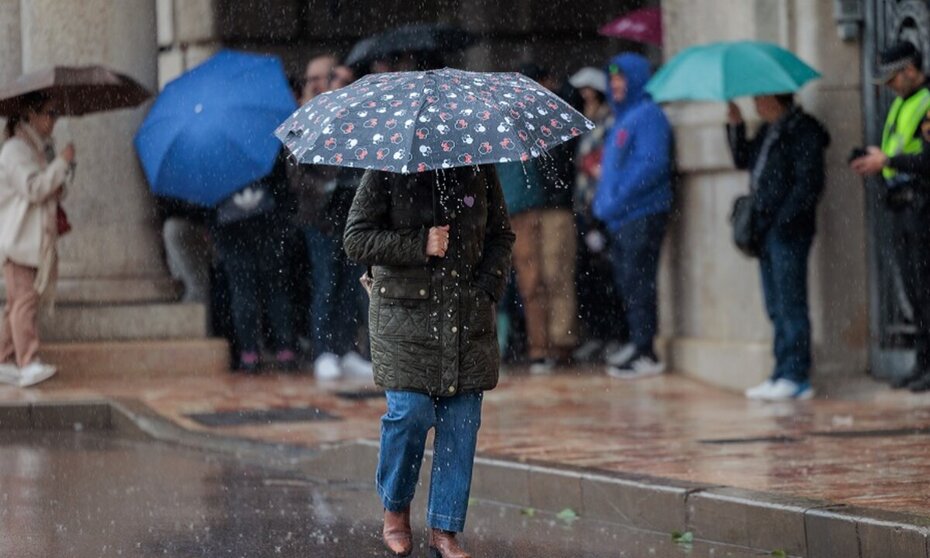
point(433, 341)
point(32, 181)
point(429, 219)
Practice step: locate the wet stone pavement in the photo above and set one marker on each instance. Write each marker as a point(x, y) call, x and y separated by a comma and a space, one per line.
point(862, 445)
point(97, 494)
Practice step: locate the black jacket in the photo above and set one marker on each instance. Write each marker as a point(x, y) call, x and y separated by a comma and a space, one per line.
point(432, 321)
point(791, 181)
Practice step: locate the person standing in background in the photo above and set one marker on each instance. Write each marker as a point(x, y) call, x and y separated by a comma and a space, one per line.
point(323, 196)
point(32, 184)
point(786, 170)
point(634, 198)
point(903, 161)
point(525, 199)
point(250, 233)
point(600, 307)
point(556, 241)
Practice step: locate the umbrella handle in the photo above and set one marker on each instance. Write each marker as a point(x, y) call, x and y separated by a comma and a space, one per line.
point(437, 204)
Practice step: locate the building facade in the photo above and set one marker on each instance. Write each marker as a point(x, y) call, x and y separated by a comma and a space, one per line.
point(713, 321)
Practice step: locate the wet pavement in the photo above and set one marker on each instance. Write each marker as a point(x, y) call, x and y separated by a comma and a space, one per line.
point(96, 494)
point(865, 445)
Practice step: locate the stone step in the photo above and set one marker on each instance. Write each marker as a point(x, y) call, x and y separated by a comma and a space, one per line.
point(123, 322)
point(138, 359)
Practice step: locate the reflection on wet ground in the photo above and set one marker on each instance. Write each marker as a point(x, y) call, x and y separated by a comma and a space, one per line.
point(92, 494)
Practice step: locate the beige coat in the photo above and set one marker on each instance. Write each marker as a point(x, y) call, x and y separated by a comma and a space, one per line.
point(29, 188)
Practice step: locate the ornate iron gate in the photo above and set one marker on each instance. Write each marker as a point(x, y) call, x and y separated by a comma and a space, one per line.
point(888, 21)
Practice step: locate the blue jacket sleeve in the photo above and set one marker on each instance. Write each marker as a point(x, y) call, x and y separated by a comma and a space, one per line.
point(648, 160)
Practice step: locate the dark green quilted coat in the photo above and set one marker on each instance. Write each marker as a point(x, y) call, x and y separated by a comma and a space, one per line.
point(432, 320)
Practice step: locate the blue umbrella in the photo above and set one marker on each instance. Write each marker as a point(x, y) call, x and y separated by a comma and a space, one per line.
point(210, 131)
point(411, 122)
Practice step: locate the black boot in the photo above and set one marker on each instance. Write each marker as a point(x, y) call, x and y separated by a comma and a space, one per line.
point(920, 385)
point(902, 382)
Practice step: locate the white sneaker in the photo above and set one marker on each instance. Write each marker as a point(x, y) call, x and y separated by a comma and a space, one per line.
point(786, 390)
point(542, 366)
point(35, 372)
point(9, 374)
point(326, 367)
point(640, 366)
point(622, 355)
point(758, 391)
point(356, 365)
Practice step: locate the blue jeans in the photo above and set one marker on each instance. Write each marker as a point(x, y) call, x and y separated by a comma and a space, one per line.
point(634, 252)
point(783, 263)
point(409, 417)
point(334, 308)
point(254, 256)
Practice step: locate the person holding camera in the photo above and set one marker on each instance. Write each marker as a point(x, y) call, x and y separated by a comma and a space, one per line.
point(903, 160)
point(785, 160)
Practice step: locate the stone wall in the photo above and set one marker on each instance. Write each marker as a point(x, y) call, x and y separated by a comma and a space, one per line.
point(559, 33)
point(712, 306)
point(114, 252)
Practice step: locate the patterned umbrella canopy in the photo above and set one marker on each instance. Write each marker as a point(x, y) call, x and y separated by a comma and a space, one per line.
point(412, 122)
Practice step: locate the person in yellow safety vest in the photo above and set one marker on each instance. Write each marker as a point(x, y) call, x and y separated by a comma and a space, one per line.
point(904, 163)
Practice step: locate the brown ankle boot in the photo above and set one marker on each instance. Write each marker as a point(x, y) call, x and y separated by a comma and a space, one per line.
point(443, 545)
point(396, 534)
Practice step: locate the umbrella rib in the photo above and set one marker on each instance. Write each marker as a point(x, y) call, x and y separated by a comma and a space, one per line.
point(419, 112)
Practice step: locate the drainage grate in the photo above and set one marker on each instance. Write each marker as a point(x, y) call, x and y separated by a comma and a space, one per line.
point(361, 395)
point(886, 433)
point(262, 416)
point(759, 440)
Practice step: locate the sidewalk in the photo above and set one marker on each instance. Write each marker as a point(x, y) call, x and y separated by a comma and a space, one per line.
point(863, 450)
point(867, 449)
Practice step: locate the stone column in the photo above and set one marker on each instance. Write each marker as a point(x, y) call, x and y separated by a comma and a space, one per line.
point(114, 253)
point(11, 52)
point(839, 263)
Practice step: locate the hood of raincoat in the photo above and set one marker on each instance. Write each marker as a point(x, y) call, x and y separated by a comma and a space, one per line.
point(636, 70)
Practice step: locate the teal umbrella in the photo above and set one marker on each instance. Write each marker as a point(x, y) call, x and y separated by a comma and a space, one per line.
point(723, 71)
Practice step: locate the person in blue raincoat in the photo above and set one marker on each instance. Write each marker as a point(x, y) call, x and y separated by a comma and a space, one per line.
point(634, 198)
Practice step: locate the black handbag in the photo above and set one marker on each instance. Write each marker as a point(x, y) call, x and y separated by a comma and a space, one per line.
point(744, 232)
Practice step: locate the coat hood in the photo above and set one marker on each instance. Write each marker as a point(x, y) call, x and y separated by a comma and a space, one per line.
point(636, 70)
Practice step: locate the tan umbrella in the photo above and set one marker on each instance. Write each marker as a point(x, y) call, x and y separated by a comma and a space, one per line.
point(78, 90)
